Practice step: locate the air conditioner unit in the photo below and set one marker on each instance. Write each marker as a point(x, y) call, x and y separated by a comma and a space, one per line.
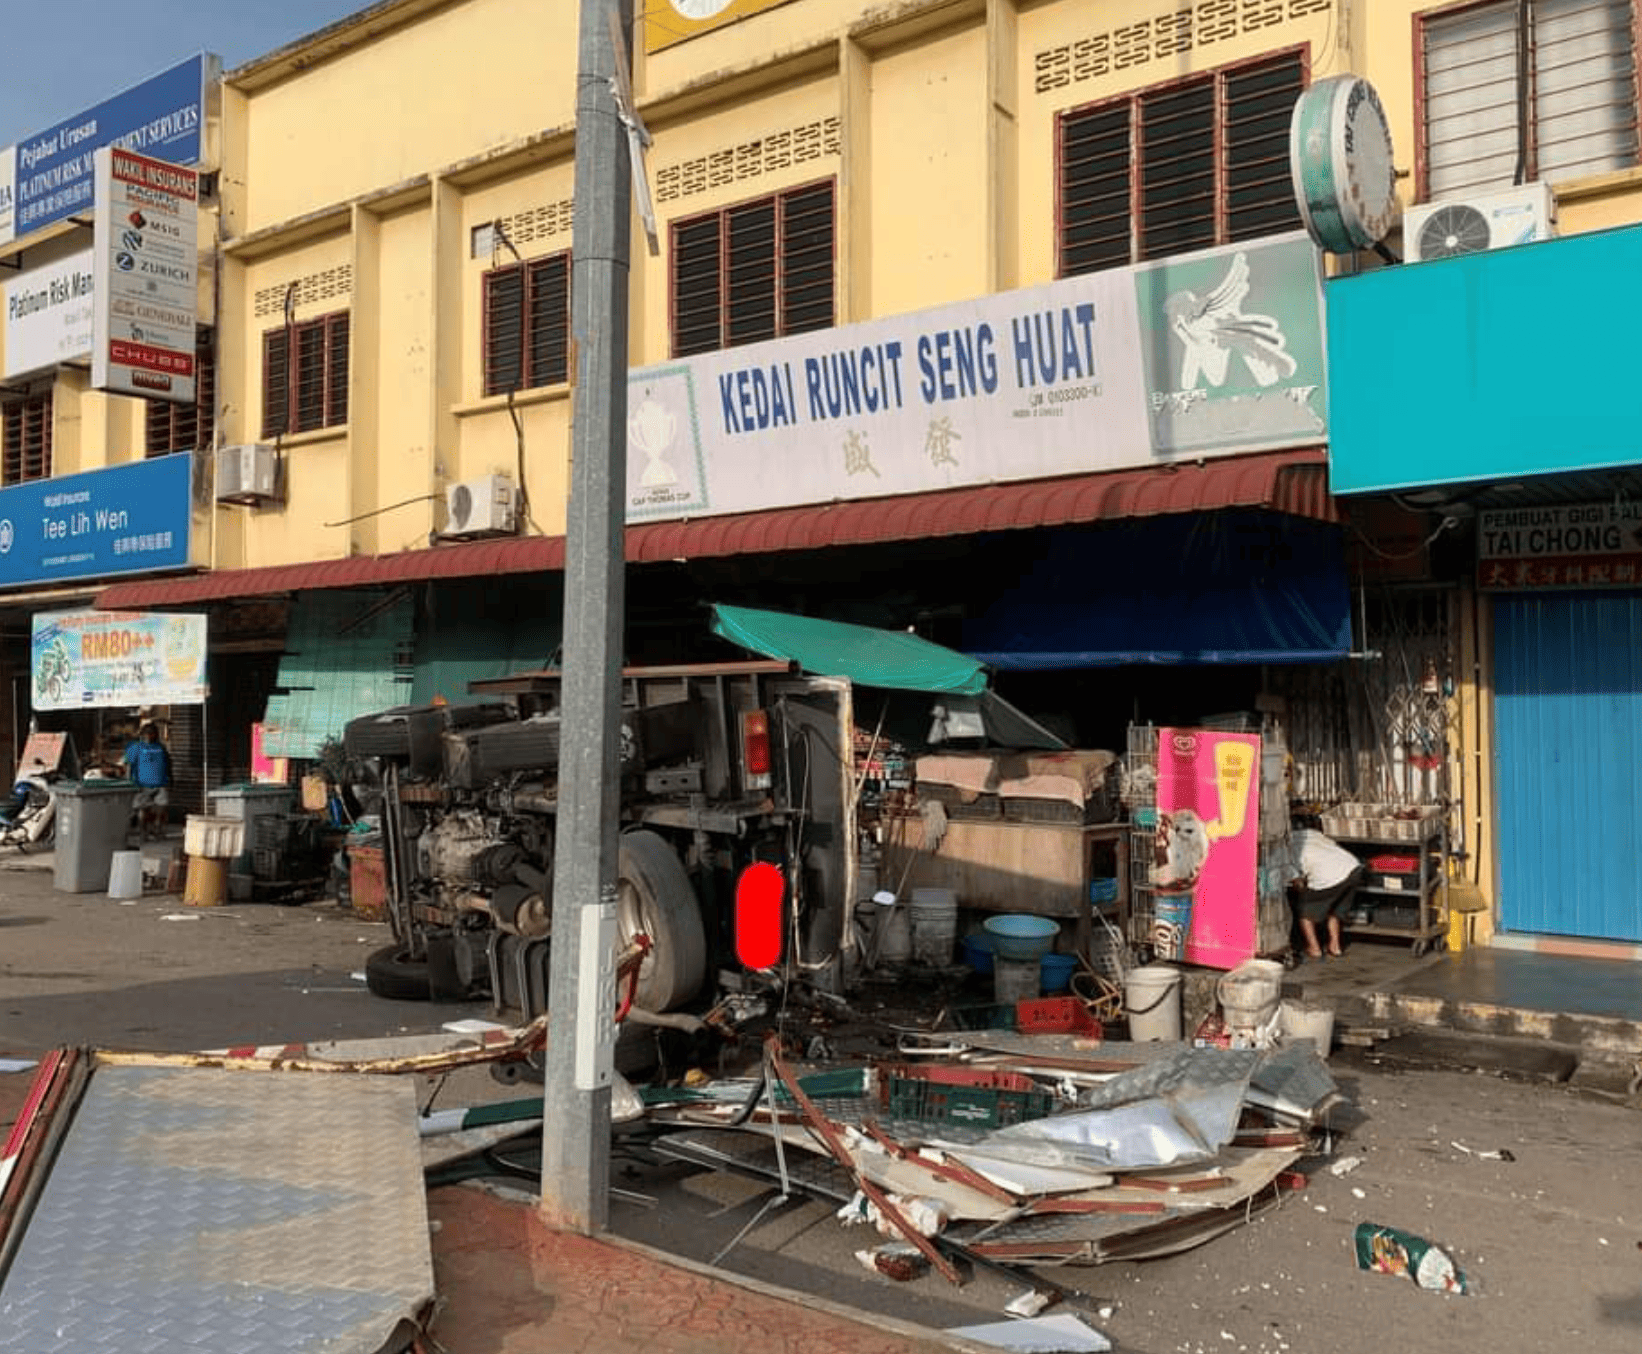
point(486, 506)
point(248, 474)
point(1478, 221)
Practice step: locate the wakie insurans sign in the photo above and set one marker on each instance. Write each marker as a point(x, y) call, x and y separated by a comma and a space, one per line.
point(146, 252)
point(49, 176)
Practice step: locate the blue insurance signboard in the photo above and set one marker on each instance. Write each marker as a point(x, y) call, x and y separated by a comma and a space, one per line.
point(50, 173)
point(127, 519)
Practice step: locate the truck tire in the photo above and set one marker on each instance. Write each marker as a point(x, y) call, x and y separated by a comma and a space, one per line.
point(654, 896)
point(390, 974)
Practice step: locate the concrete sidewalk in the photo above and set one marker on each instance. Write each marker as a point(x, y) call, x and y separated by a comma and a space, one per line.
point(512, 1286)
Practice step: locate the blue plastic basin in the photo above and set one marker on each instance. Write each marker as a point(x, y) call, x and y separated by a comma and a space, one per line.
point(1020, 935)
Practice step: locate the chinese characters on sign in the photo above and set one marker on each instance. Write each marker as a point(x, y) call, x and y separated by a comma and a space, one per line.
point(1581, 545)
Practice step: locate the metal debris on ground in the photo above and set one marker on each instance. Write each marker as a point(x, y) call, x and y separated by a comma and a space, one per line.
point(998, 1148)
point(1503, 1154)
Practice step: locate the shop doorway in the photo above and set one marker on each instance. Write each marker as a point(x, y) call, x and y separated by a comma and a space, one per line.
point(1568, 729)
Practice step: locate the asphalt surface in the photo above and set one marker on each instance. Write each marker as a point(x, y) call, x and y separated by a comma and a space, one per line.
point(1551, 1240)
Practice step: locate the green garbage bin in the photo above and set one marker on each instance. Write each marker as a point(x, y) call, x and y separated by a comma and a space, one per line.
point(93, 822)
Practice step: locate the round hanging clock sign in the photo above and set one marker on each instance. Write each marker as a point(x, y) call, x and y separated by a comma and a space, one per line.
point(1340, 162)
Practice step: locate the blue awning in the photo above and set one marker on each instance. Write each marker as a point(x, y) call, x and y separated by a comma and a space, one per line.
point(1226, 588)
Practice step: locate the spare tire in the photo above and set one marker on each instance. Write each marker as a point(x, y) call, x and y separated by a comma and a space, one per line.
point(391, 973)
point(653, 896)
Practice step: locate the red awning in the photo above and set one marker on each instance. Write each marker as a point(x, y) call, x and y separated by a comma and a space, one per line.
point(1293, 482)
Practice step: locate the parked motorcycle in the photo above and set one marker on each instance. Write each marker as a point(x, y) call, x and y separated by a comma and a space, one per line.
point(29, 817)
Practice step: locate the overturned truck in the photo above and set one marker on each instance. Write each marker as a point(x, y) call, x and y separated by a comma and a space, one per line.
point(723, 767)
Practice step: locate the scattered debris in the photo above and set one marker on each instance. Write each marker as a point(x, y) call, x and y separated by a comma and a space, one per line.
point(1062, 1333)
point(1007, 1149)
point(1386, 1250)
point(1345, 1165)
point(1503, 1154)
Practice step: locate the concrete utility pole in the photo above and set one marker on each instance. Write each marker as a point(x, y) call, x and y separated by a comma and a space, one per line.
point(581, 994)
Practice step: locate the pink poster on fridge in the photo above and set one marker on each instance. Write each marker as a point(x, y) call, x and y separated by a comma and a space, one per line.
point(1208, 824)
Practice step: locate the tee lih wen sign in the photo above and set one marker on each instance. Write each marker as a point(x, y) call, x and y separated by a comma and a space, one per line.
point(1570, 545)
point(145, 253)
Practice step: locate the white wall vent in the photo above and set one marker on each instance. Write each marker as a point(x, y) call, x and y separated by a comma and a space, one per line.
point(248, 474)
point(487, 506)
point(1479, 221)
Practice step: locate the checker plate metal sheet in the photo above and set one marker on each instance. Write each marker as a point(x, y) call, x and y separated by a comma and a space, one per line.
point(211, 1210)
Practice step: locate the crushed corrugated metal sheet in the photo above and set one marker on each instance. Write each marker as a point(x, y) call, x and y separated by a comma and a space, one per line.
point(1022, 1148)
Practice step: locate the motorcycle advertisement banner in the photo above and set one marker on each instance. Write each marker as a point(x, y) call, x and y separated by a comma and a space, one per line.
point(82, 659)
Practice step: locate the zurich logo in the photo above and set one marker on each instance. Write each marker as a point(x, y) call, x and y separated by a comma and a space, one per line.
point(6, 535)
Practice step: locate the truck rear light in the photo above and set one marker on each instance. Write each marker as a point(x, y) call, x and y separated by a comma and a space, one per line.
point(758, 925)
point(755, 742)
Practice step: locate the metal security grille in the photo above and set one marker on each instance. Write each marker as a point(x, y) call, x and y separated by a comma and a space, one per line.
point(527, 324)
point(310, 391)
point(1193, 163)
point(1577, 87)
point(27, 440)
point(756, 271)
point(169, 426)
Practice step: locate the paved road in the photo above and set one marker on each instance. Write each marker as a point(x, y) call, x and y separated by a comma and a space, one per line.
point(1552, 1241)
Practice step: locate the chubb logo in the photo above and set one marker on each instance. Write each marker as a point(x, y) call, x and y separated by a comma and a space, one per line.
point(6, 535)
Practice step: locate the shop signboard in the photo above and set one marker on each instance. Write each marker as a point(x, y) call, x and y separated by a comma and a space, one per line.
point(126, 519)
point(8, 191)
point(1566, 545)
point(1204, 866)
point(671, 21)
point(163, 116)
point(1206, 354)
point(85, 659)
point(146, 261)
point(49, 315)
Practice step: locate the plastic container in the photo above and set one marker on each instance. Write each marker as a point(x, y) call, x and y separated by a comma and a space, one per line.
point(1302, 1020)
point(1020, 935)
point(93, 822)
point(1152, 998)
point(1017, 980)
point(1102, 891)
point(892, 930)
point(1250, 992)
point(207, 884)
point(1055, 1015)
point(978, 953)
point(219, 838)
point(1056, 971)
point(934, 920)
point(367, 882)
point(248, 804)
point(125, 875)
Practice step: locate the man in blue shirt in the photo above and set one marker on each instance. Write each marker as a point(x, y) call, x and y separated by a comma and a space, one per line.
point(148, 765)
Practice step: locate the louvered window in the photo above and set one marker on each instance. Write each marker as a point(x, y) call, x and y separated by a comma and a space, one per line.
point(26, 439)
point(1194, 163)
point(169, 426)
point(755, 271)
point(527, 325)
point(305, 375)
point(1578, 87)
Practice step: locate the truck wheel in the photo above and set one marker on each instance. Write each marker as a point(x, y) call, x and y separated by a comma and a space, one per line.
point(389, 974)
point(653, 896)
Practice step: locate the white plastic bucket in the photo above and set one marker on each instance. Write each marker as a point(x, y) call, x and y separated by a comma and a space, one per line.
point(1299, 1020)
point(893, 930)
point(1016, 980)
point(934, 918)
point(125, 875)
point(1152, 996)
point(1250, 992)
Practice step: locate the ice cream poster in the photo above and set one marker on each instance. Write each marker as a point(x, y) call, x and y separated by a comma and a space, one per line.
point(83, 659)
point(1207, 846)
